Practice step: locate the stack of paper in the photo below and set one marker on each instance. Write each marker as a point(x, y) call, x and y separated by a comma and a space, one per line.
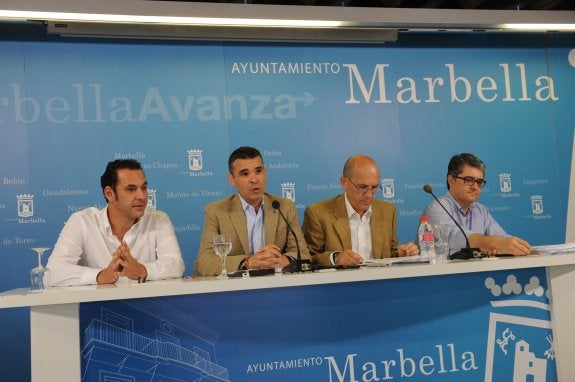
point(396, 260)
point(556, 249)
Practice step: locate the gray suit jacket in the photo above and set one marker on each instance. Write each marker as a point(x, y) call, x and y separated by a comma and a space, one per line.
point(227, 217)
point(326, 229)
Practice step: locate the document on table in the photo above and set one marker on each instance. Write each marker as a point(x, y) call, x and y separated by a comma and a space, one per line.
point(396, 260)
point(556, 249)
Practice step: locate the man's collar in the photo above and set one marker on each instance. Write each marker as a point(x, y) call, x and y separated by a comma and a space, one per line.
point(246, 205)
point(351, 211)
point(458, 206)
point(106, 219)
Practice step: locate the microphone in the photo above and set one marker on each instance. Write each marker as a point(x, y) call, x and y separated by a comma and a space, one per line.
point(297, 265)
point(464, 253)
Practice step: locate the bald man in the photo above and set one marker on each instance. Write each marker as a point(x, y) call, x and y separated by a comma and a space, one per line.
point(354, 226)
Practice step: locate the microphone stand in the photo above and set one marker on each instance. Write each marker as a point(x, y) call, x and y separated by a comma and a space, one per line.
point(298, 264)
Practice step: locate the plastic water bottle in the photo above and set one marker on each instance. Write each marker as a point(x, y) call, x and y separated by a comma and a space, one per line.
point(425, 237)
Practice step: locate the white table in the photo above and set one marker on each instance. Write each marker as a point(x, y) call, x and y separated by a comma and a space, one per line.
point(54, 312)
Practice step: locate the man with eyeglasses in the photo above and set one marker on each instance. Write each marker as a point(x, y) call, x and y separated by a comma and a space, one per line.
point(465, 179)
point(354, 226)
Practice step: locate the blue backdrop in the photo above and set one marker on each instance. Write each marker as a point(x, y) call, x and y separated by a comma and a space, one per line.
point(67, 107)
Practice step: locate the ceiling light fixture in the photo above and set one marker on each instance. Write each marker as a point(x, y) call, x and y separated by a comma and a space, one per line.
point(233, 21)
point(171, 20)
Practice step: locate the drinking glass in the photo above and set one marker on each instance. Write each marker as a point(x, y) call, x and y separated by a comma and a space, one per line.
point(222, 247)
point(38, 273)
point(441, 244)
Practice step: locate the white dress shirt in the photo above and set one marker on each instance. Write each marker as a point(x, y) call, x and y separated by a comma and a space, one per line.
point(86, 245)
point(360, 230)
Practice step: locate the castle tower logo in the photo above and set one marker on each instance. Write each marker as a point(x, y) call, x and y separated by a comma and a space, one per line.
point(388, 188)
point(288, 191)
point(152, 198)
point(25, 205)
point(519, 345)
point(505, 182)
point(195, 160)
point(537, 204)
point(196, 164)
point(528, 365)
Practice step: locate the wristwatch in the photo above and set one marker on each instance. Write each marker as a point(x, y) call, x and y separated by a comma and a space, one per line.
point(244, 264)
point(334, 256)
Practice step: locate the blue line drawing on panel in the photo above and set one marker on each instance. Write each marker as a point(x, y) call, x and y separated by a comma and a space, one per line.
point(118, 348)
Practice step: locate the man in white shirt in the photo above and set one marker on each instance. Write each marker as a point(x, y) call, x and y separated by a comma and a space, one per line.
point(354, 226)
point(124, 241)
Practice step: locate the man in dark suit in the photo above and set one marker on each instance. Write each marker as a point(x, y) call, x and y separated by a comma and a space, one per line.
point(354, 226)
point(260, 237)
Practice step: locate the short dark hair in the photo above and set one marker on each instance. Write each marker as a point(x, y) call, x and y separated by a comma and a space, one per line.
point(243, 152)
point(457, 162)
point(110, 176)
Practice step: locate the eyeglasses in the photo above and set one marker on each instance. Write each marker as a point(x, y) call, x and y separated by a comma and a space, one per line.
point(469, 180)
point(364, 188)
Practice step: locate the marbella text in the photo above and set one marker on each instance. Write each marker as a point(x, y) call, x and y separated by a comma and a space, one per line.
point(510, 85)
point(381, 84)
point(351, 368)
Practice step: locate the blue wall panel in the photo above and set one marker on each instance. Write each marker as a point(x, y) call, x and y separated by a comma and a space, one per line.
point(68, 107)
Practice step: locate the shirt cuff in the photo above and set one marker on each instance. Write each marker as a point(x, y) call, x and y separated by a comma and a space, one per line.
point(90, 276)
